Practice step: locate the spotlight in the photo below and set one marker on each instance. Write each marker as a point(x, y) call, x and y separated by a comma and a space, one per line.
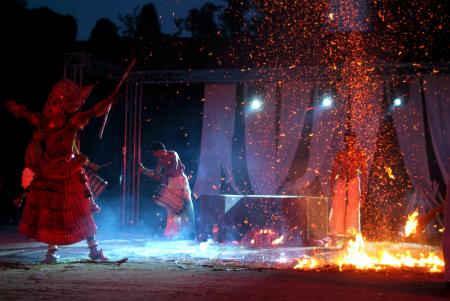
point(397, 102)
point(256, 104)
point(327, 101)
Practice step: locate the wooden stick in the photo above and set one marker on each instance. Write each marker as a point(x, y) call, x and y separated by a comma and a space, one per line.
point(116, 90)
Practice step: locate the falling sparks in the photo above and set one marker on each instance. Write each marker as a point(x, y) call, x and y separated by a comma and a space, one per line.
point(389, 172)
point(411, 224)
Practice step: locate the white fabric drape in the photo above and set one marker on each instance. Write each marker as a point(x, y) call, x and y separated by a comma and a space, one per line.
point(326, 125)
point(269, 157)
point(409, 126)
point(260, 140)
point(217, 134)
point(437, 99)
point(295, 98)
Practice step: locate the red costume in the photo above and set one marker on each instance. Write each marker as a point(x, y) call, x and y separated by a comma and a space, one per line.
point(348, 183)
point(59, 205)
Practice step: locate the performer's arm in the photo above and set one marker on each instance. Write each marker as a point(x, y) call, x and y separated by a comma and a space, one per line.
point(149, 173)
point(81, 119)
point(20, 111)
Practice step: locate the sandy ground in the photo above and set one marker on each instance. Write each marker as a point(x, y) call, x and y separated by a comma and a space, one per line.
point(156, 276)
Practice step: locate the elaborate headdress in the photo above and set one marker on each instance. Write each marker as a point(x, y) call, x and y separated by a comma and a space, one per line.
point(68, 95)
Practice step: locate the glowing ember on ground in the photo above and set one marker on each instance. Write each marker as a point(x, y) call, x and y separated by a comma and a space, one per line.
point(358, 256)
point(411, 224)
point(306, 263)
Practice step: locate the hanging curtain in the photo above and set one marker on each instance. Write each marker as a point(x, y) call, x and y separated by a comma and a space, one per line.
point(260, 139)
point(294, 104)
point(437, 99)
point(217, 134)
point(273, 133)
point(326, 126)
point(409, 125)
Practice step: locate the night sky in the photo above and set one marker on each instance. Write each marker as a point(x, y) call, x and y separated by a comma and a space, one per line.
point(87, 12)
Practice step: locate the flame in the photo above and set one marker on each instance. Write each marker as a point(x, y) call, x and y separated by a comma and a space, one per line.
point(278, 240)
point(306, 263)
point(388, 170)
point(411, 224)
point(356, 255)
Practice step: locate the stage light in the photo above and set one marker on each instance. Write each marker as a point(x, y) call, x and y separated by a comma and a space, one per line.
point(327, 101)
point(397, 102)
point(256, 104)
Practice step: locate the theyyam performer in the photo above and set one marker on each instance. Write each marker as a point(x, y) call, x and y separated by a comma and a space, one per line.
point(59, 204)
point(348, 185)
point(174, 193)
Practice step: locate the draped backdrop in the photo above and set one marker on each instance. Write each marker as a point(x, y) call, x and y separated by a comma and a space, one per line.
point(272, 134)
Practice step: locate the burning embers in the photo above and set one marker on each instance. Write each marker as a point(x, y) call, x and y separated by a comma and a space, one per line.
point(263, 238)
point(358, 254)
point(411, 224)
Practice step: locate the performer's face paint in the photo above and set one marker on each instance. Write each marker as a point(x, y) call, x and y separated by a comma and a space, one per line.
point(55, 103)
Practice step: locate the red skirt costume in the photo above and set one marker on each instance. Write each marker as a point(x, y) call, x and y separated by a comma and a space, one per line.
point(58, 210)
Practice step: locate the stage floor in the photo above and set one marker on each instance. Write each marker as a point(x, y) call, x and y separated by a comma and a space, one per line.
point(186, 270)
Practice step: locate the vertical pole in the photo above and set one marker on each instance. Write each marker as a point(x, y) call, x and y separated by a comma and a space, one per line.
point(125, 156)
point(138, 188)
point(134, 160)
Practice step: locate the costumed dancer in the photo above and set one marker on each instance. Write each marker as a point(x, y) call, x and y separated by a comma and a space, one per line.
point(174, 194)
point(59, 205)
point(348, 183)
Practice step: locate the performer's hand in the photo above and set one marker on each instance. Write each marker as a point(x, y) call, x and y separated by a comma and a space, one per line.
point(114, 98)
point(94, 167)
point(19, 201)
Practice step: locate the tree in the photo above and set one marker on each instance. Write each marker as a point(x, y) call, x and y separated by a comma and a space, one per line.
point(234, 17)
point(143, 25)
point(104, 36)
point(128, 28)
point(104, 31)
point(147, 25)
point(201, 22)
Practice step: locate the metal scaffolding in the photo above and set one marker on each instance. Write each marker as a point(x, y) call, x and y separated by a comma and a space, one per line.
point(77, 64)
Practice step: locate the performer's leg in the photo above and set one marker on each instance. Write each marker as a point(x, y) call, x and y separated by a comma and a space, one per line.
point(51, 257)
point(353, 208)
point(187, 221)
point(95, 253)
point(337, 216)
point(172, 224)
point(446, 238)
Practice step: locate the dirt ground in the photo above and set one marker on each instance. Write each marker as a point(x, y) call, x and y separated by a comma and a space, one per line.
point(157, 275)
point(169, 281)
